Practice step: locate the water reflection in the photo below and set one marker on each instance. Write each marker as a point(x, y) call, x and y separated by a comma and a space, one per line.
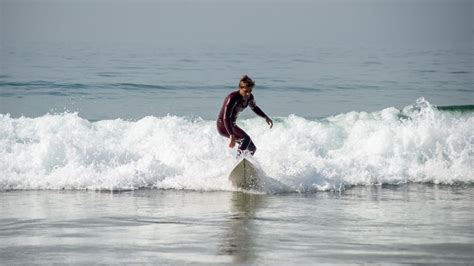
point(240, 232)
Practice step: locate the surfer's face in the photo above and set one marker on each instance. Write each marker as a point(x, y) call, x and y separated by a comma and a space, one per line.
point(245, 90)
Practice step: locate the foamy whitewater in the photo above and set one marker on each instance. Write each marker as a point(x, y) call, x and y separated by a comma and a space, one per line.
point(64, 151)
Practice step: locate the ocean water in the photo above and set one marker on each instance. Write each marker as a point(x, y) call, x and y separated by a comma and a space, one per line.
point(107, 147)
point(405, 224)
point(131, 80)
point(64, 151)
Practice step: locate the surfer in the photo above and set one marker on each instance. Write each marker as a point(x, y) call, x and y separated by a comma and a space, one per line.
point(235, 103)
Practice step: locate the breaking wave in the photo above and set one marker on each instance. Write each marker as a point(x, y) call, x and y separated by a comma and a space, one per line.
point(419, 143)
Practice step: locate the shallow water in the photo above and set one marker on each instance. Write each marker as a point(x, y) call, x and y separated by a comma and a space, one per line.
point(409, 223)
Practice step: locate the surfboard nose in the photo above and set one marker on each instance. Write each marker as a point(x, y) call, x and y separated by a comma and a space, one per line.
point(244, 175)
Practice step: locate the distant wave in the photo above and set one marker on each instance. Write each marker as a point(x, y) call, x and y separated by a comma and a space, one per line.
point(459, 72)
point(135, 86)
point(457, 108)
point(19, 89)
point(420, 144)
point(43, 84)
point(46, 87)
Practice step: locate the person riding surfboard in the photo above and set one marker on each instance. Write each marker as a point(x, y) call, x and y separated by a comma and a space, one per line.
point(233, 104)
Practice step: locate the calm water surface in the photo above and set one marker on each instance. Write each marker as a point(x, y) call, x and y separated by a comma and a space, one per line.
point(131, 80)
point(396, 224)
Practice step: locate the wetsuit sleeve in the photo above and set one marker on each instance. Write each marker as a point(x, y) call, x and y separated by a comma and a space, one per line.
point(256, 109)
point(229, 106)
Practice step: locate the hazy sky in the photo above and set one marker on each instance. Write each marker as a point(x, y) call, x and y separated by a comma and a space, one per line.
point(262, 22)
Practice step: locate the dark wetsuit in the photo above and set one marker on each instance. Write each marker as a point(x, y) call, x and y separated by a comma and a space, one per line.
point(235, 103)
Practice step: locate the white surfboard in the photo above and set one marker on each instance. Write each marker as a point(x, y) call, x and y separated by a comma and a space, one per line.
point(244, 175)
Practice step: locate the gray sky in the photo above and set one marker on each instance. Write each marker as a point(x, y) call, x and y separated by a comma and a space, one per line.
point(421, 22)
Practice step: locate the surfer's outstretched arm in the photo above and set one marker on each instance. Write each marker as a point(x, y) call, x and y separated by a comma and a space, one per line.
point(259, 112)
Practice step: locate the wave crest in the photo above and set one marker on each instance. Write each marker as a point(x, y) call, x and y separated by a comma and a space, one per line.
point(64, 151)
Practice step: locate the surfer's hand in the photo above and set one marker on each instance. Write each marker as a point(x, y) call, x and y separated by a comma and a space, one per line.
point(269, 121)
point(232, 141)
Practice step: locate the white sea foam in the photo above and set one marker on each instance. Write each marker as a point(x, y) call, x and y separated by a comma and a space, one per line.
point(65, 151)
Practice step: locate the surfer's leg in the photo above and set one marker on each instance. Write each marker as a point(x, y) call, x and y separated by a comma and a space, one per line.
point(245, 142)
point(221, 129)
point(248, 145)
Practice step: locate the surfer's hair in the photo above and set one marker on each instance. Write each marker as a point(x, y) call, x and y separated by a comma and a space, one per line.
point(247, 81)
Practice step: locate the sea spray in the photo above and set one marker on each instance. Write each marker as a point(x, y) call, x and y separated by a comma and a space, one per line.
point(64, 151)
